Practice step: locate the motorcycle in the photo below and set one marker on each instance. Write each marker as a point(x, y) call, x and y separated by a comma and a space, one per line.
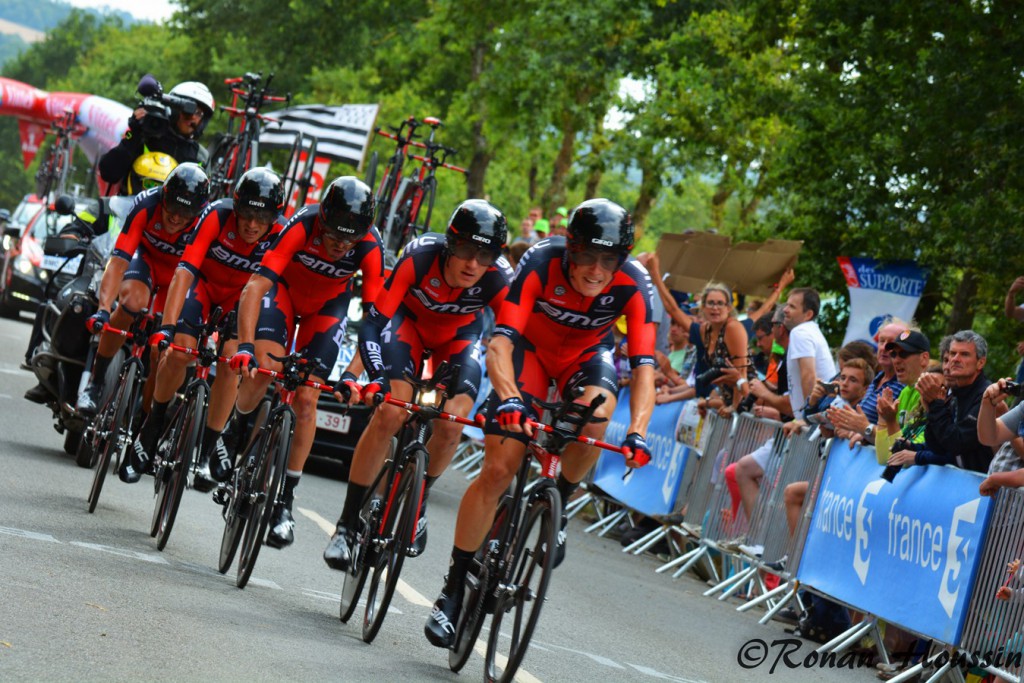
point(64, 353)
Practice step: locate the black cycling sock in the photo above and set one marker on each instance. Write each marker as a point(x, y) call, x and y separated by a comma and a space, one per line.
point(566, 488)
point(99, 370)
point(154, 426)
point(210, 437)
point(458, 565)
point(288, 497)
point(426, 490)
point(353, 501)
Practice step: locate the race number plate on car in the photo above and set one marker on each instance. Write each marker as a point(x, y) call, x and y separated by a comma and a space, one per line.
point(333, 422)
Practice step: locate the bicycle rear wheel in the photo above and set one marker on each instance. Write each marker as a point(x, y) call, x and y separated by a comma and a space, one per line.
point(401, 511)
point(183, 449)
point(113, 429)
point(269, 473)
point(236, 512)
point(362, 551)
point(528, 573)
point(162, 472)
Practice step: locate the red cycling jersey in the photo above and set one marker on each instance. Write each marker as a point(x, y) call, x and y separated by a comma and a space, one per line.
point(543, 309)
point(417, 292)
point(299, 261)
point(217, 254)
point(143, 231)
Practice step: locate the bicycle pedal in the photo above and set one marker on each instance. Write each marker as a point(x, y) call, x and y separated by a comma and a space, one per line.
point(221, 496)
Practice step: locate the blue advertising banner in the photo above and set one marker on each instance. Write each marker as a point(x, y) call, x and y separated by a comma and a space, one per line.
point(907, 551)
point(651, 489)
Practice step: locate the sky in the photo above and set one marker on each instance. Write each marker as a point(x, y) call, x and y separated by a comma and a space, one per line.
point(153, 10)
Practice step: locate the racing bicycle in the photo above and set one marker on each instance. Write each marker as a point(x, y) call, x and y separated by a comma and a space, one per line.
point(391, 507)
point(509, 575)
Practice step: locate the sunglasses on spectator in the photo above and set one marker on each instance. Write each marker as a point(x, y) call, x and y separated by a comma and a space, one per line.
point(900, 353)
point(588, 257)
point(467, 251)
point(715, 304)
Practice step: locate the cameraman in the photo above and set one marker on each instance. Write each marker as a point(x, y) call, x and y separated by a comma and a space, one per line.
point(170, 123)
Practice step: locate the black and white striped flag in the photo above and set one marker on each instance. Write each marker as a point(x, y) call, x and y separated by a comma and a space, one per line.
point(343, 132)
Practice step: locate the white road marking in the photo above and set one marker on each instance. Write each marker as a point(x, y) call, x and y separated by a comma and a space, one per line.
point(32, 535)
point(122, 552)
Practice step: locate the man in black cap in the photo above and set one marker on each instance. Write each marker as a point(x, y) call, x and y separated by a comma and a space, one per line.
point(903, 416)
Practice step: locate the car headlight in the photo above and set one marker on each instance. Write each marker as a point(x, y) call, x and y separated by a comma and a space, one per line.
point(23, 265)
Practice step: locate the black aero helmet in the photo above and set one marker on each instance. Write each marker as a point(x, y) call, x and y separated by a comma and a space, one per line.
point(478, 222)
point(186, 190)
point(601, 224)
point(259, 194)
point(346, 210)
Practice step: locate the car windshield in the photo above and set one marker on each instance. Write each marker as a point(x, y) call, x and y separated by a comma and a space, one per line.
point(49, 223)
point(25, 212)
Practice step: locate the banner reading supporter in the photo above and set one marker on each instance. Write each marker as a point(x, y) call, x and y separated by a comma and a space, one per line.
point(879, 290)
point(907, 551)
point(650, 489)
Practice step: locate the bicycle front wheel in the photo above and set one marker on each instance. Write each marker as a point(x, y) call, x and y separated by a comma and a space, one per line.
point(401, 510)
point(183, 450)
point(113, 429)
point(478, 595)
point(362, 554)
point(528, 573)
point(269, 473)
point(243, 481)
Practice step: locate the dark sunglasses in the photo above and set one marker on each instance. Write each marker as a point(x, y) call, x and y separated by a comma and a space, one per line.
point(588, 257)
point(900, 353)
point(467, 251)
point(260, 215)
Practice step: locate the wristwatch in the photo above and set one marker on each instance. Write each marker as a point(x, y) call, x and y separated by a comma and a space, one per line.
point(869, 432)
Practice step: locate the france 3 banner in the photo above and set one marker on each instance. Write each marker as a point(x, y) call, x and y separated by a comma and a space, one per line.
point(650, 489)
point(906, 551)
point(879, 290)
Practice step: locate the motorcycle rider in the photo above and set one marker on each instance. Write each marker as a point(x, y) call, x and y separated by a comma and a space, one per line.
point(149, 131)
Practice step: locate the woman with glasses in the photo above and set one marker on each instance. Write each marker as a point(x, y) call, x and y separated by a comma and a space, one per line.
point(720, 338)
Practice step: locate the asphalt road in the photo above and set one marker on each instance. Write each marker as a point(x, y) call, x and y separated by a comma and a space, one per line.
point(88, 597)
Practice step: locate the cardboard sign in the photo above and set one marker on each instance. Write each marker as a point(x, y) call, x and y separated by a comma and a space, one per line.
point(695, 259)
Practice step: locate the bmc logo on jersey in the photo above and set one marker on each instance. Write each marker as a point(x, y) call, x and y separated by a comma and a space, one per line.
point(230, 258)
point(577, 319)
point(438, 307)
point(322, 267)
point(163, 246)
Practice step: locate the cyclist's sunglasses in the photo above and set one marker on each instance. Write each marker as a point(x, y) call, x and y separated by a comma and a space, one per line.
point(179, 215)
point(468, 251)
point(150, 183)
point(247, 213)
point(608, 260)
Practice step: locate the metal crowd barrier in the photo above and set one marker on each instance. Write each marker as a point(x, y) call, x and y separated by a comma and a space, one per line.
point(735, 537)
point(715, 439)
point(994, 628)
point(781, 551)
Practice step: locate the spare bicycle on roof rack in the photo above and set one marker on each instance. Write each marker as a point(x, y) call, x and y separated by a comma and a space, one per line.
point(56, 166)
point(401, 198)
point(233, 153)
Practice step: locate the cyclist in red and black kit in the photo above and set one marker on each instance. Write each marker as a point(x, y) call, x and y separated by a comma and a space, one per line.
point(307, 274)
point(143, 262)
point(556, 325)
point(224, 251)
point(432, 300)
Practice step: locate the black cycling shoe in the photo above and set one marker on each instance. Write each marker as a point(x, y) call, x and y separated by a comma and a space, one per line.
point(282, 528)
point(203, 481)
point(135, 464)
point(89, 401)
point(37, 394)
point(222, 462)
point(419, 541)
point(440, 627)
point(560, 547)
point(337, 554)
